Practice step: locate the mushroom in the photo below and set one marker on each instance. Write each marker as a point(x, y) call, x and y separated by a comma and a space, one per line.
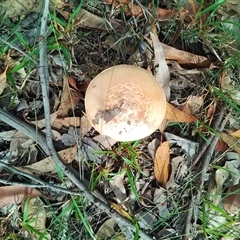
point(125, 103)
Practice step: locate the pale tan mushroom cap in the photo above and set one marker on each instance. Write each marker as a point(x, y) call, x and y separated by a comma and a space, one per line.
point(125, 103)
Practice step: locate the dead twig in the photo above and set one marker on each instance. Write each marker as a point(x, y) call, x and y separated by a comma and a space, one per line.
point(207, 156)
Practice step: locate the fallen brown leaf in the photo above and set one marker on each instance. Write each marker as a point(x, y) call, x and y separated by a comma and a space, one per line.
point(162, 163)
point(47, 164)
point(85, 125)
point(90, 20)
point(16, 194)
point(72, 82)
point(175, 115)
point(66, 122)
point(221, 146)
point(231, 141)
point(183, 57)
point(69, 99)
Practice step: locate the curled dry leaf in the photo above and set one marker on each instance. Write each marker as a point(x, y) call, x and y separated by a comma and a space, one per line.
point(161, 68)
point(162, 163)
point(175, 115)
point(16, 194)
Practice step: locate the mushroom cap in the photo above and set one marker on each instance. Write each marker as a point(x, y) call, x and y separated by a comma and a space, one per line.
point(125, 103)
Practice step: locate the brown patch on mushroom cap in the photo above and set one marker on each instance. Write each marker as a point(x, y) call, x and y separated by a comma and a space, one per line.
point(125, 103)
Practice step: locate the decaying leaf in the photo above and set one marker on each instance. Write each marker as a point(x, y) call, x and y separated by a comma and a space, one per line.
point(105, 141)
point(66, 122)
point(189, 147)
point(16, 194)
point(69, 99)
point(152, 147)
point(146, 219)
point(37, 217)
point(160, 66)
point(160, 199)
point(173, 114)
point(221, 146)
point(70, 138)
point(47, 164)
point(231, 203)
point(231, 141)
point(178, 172)
point(117, 185)
point(42, 123)
point(162, 163)
point(192, 104)
point(85, 125)
point(106, 230)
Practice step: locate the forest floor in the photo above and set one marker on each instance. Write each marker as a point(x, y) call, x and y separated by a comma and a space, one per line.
point(61, 179)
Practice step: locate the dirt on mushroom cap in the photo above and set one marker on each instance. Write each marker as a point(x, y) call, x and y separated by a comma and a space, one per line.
point(125, 103)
